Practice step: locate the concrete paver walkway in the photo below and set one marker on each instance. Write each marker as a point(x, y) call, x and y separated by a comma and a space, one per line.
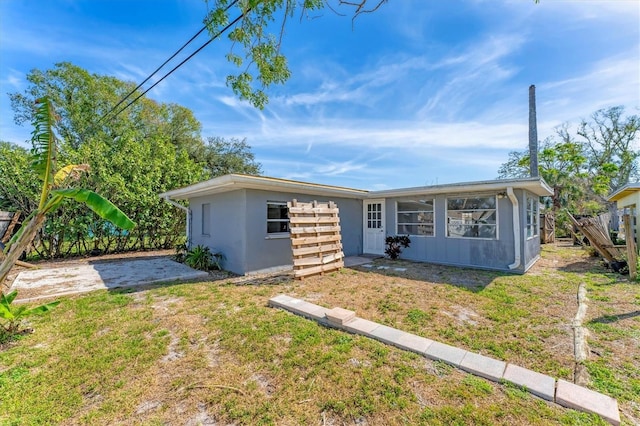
point(54, 282)
point(563, 393)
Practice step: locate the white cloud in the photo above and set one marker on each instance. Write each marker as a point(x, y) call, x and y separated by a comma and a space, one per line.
point(610, 82)
point(14, 80)
point(339, 168)
point(384, 134)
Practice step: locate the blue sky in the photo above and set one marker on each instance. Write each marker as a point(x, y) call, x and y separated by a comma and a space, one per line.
point(418, 93)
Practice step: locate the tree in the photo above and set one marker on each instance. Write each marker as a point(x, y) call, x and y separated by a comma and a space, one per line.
point(150, 148)
point(18, 189)
point(83, 102)
point(611, 142)
point(560, 164)
point(259, 35)
point(54, 189)
point(183, 130)
point(229, 156)
point(583, 169)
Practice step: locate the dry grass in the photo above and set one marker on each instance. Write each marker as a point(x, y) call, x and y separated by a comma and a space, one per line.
point(214, 353)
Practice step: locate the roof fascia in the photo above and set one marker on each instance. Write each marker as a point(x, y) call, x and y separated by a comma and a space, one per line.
point(535, 185)
point(232, 182)
point(624, 191)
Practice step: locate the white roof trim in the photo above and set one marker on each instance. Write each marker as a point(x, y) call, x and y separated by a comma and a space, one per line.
point(626, 190)
point(536, 185)
point(235, 181)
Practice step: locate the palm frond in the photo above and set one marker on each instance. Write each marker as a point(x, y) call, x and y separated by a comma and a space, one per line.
point(43, 152)
point(100, 205)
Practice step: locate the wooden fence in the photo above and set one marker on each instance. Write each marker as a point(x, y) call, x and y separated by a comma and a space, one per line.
point(315, 238)
point(632, 250)
point(547, 228)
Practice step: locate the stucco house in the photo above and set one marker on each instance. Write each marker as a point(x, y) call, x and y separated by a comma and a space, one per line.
point(488, 225)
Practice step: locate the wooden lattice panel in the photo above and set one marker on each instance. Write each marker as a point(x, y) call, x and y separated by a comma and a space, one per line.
point(315, 238)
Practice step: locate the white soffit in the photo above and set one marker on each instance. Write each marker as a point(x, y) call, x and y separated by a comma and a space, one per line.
point(234, 182)
point(534, 185)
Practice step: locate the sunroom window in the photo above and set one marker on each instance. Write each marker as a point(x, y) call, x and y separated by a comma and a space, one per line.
point(415, 217)
point(472, 217)
point(277, 217)
point(533, 217)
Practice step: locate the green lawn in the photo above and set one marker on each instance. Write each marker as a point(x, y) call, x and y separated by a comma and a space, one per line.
point(200, 353)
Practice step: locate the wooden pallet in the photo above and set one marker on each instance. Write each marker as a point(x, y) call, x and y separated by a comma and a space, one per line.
point(316, 242)
point(599, 238)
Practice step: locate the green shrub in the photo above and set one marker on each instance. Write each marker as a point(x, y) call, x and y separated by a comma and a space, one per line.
point(200, 257)
point(395, 244)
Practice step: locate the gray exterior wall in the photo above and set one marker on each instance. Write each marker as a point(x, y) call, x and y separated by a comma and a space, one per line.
point(227, 227)
point(469, 252)
point(265, 252)
point(239, 228)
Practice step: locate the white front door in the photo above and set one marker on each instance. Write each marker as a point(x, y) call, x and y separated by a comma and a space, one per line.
point(374, 234)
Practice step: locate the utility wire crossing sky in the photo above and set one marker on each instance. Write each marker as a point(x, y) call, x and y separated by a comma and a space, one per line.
point(417, 93)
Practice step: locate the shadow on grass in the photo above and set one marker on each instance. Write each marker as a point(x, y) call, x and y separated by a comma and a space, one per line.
point(473, 280)
point(606, 319)
point(592, 265)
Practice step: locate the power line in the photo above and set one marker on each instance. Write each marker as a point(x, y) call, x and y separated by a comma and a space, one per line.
point(168, 60)
point(153, 73)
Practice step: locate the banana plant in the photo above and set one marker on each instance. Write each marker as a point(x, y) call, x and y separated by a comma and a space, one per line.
point(55, 189)
point(11, 316)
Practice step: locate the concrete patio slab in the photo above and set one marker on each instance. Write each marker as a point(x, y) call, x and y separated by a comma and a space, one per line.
point(101, 275)
point(537, 383)
point(483, 366)
point(351, 261)
point(583, 399)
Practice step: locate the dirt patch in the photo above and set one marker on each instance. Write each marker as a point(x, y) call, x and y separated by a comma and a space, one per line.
point(463, 315)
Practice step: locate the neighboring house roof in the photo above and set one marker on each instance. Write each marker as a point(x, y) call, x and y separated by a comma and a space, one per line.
point(624, 191)
point(236, 181)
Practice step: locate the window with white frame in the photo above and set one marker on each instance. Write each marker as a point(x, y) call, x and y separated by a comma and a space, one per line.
point(472, 217)
point(533, 217)
point(277, 217)
point(206, 219)
point(415, 217)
